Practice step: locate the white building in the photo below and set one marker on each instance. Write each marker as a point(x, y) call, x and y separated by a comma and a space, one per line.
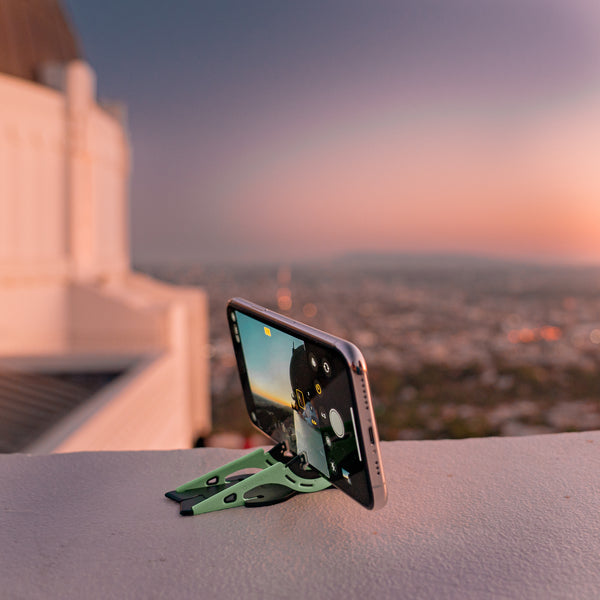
point(69, 301)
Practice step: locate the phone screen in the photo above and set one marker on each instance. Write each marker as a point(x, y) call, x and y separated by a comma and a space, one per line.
point(298, 391)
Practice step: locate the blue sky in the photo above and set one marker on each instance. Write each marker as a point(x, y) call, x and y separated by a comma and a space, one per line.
point(302, 129)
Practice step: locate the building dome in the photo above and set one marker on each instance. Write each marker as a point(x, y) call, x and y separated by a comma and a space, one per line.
point(33, 32)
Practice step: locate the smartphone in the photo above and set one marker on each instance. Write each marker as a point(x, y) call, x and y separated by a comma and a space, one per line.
point(309, 389)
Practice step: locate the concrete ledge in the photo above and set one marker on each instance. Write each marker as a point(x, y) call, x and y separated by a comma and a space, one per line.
point(479, 518)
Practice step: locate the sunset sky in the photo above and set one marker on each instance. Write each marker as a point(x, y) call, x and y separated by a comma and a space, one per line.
point(272, 130)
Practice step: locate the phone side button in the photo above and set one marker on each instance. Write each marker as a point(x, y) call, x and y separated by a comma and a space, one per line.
point(371, 435)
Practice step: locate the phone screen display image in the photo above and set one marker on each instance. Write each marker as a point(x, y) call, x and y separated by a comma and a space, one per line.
point(298, 391)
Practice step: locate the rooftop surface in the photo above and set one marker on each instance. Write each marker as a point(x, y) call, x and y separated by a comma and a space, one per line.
point(32, 403)
point(476, 518)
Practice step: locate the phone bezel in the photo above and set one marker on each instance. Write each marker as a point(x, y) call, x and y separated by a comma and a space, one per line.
point(355, 365)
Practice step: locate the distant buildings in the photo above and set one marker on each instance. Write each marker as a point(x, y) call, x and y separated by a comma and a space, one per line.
point(452, 352)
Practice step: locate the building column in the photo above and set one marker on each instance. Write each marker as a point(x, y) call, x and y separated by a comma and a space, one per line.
point(80, 90)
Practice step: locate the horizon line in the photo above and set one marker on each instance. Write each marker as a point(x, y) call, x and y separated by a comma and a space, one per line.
point(368, 257)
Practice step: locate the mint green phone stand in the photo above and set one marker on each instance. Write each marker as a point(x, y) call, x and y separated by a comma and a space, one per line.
point(279, 479)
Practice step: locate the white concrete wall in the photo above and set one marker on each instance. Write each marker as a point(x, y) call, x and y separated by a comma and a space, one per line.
point(33, 210)
point(163, 402)
point(33, 319)
point(478, 519)
point(64, 170)
point(146, 409)
point(101, 320)
point(153, 407)
point(65, 284)
point(167, 404)
point(110, 173)
point(193, 337)
point(49, 317)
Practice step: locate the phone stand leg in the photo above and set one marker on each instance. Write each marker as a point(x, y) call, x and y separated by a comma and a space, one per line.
point(279, 478)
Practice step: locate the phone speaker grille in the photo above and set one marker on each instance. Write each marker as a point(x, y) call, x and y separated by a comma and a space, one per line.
point(364, 391)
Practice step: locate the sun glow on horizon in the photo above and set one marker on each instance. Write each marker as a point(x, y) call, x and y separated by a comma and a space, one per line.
point(288, 402)
point(456, 184)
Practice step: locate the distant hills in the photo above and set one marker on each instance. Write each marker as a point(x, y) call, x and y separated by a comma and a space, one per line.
point(438, 260)
point(377, 260)
point(393, 259)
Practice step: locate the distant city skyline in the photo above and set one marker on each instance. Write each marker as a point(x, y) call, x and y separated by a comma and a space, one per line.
point(286, 131)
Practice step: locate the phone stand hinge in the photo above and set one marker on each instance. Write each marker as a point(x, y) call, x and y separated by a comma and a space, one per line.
point(279, 478)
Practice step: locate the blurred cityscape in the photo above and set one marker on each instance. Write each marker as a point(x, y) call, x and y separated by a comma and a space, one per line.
point(455, 348)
